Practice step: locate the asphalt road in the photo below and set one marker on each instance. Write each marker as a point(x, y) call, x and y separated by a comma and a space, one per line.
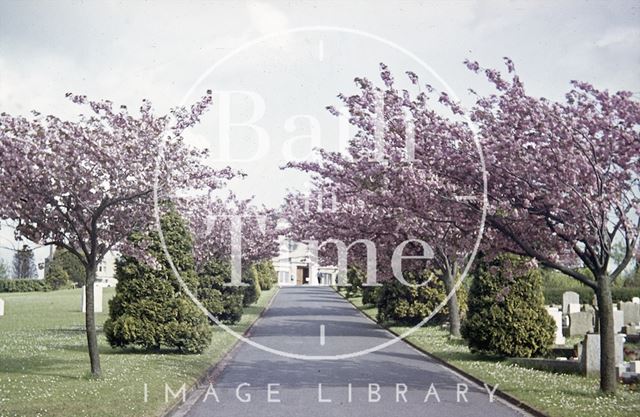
point(394, 381)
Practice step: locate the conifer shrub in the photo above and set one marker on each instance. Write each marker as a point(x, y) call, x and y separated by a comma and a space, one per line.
point(506, 314)
point(251, 291)
point(267, 276)
point(223, 302)
point(149, 309)
point(404, 304)
point(370, 295)
point(355, 279)
point(57, 278)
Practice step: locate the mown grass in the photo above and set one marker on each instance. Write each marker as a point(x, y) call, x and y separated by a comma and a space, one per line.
point(44, 362)
point(558, 395)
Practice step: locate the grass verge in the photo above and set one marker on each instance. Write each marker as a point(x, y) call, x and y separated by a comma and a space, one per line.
point(44, 362)
point(558, 395)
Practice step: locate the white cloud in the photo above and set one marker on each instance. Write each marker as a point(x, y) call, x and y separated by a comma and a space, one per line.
point(266, 18)
point(156, 50)
point(616, 36)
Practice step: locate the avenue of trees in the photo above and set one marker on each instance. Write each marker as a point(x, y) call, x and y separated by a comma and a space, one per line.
point(562, 182)
point(554, 184)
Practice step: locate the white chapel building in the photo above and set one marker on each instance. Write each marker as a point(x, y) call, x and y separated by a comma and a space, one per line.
point(295, 266)
point(105, 275)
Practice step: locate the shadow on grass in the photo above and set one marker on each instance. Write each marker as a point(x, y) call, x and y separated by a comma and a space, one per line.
point(71, 331)
point(533, 392)
point(467, 357)
point(255, 310)
point(37, 366)
point(129, 350)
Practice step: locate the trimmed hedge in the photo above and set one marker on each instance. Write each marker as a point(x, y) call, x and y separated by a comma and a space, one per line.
point(554, 295)
point(23, 285)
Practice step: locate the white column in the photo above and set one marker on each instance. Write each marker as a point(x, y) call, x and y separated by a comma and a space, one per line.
point(313, 273)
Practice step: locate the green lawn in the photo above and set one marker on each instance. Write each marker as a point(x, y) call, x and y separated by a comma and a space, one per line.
point(44, 363)
point(555, 394)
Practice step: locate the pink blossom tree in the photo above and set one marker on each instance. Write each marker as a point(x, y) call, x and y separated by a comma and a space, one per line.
point(385, 195)
point(86, 184)
point(563, 177)
point(564, 183)
point(216, 222)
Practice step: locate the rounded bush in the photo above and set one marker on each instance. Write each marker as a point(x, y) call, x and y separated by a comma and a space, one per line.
point(251, 291)
point(506, 313)
point(405, 304)
point(370, 295)
point(57, 278)
point(267, 276)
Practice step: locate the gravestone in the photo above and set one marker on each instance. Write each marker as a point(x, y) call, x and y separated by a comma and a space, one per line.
point(618, 320)
point(580, 323)
point(631, 312)
point(1, 307)
point(573, 308)
point(569, 297)
point(557, 318)
point(97, 299)
point(635, 300)
point(591, 352)
point(629, 329)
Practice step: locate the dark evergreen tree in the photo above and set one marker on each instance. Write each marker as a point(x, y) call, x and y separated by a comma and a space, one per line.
point(4, 270)
point(24, 264)
point(149, 309)
point(70, 264)
point(56, 277)
point(370, 295)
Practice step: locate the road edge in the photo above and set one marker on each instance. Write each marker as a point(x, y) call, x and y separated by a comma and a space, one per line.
point(199, 388)
point(499, 393)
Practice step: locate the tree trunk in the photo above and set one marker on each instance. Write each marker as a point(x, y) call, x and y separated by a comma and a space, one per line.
point(607, 336)
point(90, 321)
point(452, 304)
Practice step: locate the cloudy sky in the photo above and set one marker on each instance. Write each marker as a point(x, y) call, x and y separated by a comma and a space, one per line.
point(277, 64)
